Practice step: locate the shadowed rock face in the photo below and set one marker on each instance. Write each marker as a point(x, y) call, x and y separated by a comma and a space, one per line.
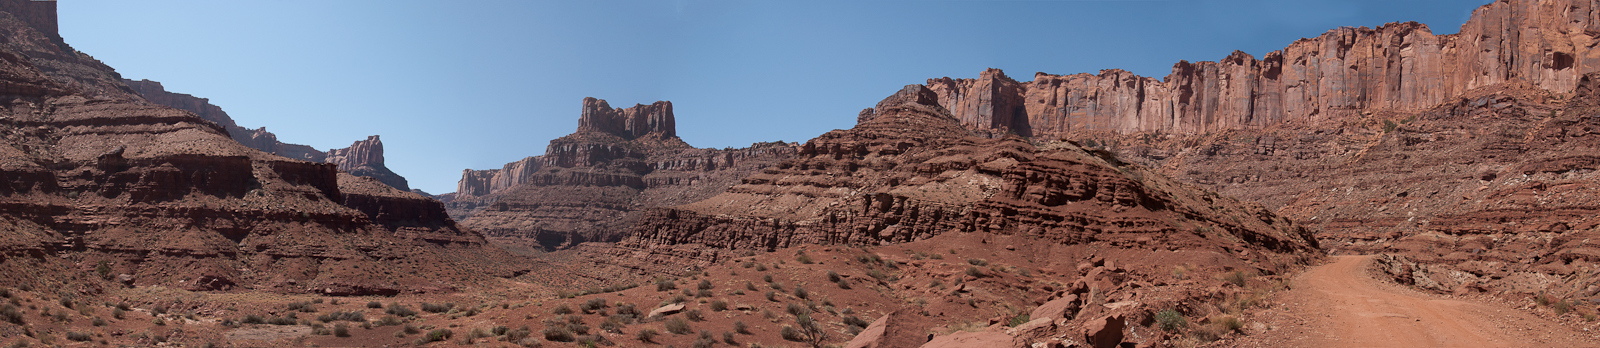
point(92, 172)
point(591, 185)
point(1398, 66)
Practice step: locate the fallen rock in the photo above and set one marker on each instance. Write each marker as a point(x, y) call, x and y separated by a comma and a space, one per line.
point(666, 310)
point(1106, 333)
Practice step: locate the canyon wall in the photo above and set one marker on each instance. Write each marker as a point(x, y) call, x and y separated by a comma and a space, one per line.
point(592, 184)
point(93, 174)
point(1397, 66)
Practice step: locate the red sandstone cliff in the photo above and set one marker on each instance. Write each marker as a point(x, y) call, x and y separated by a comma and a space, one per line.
point(362, 158)
point(365, 158)
point(90, 173)
point(592, 184)
point(1398, 66)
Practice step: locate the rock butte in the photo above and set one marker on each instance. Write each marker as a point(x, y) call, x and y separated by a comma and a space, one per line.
point(95, 174)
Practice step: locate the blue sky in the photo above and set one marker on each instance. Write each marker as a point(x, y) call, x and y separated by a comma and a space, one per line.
point(452, 85)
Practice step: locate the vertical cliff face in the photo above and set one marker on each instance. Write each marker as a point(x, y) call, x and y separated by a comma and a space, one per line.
point(630, 123)
point(365, 158)
point(1398, 66)
point(592, 184)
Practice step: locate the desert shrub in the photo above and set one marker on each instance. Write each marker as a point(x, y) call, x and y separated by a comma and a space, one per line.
point(410, 329)
point(833, 276)
point(342, 316)
point(727, 337)
point(98, 322)
point(400, 310)
point(440, 307)
point(738, 326)
point(719, 305)
point(437, 335)
point(158, 322)
point(558, 334)
point(750, 286)
point(975, 272)
point(646, 335)
point(665, 285)
point(694, 314)
point(1018, 319)
point(761, 268)
point(341, 330)
point(628, 309)
point(775, 286)
point(978, 262)
point(1229, 323)
point(678, 326)
point(611, 324)
point(1170, 320)
point(705, 284)
point(804, 258)
point(374, 304)
point(702, 293)
point(800, 292)
point(12, 314)
point(791, 334)
point(1237, 278)
point(593, 304)
point(79, 336)
point(852, 320)
point(772, 296)
point(389, 320)
point(253, 319)
point(561, 310)
point(766, 278)
point(843, 284)
point(1562, 307)
point(500, 330)
point(518, 334)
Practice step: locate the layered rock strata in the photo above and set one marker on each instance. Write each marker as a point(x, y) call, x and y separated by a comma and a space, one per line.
point(365, 158)
point(362, 158)
point(93, 174)
point(1398, 66)
point(592, 184)
point(912, 172)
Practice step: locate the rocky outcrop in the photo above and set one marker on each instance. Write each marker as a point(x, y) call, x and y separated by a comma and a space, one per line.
point(592, 184)
point(362, 158)
point(168, 198)
point(1398, 66)
point(365, 158)
point(259, 138)
point(913, 172)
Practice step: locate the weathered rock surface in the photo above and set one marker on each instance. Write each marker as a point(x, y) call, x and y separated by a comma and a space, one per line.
point(912, 172)
point(259, 138)
point(92, 172)
point(593, 184)
point(362, 158)
point(1329, 78)
point(365, 158)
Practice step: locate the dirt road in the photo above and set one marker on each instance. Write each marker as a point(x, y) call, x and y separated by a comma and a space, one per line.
point(1339, 305)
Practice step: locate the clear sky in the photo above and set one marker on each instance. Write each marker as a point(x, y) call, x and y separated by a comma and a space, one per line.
point(452, 85)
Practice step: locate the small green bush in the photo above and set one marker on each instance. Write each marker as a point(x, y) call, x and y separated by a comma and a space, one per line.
point(646, 335)
point(374, 304)
point(1170, 320)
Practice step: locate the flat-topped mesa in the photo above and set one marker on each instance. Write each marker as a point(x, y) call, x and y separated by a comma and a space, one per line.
point(1334, 76)
point(365, 158)
point(630, 123)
